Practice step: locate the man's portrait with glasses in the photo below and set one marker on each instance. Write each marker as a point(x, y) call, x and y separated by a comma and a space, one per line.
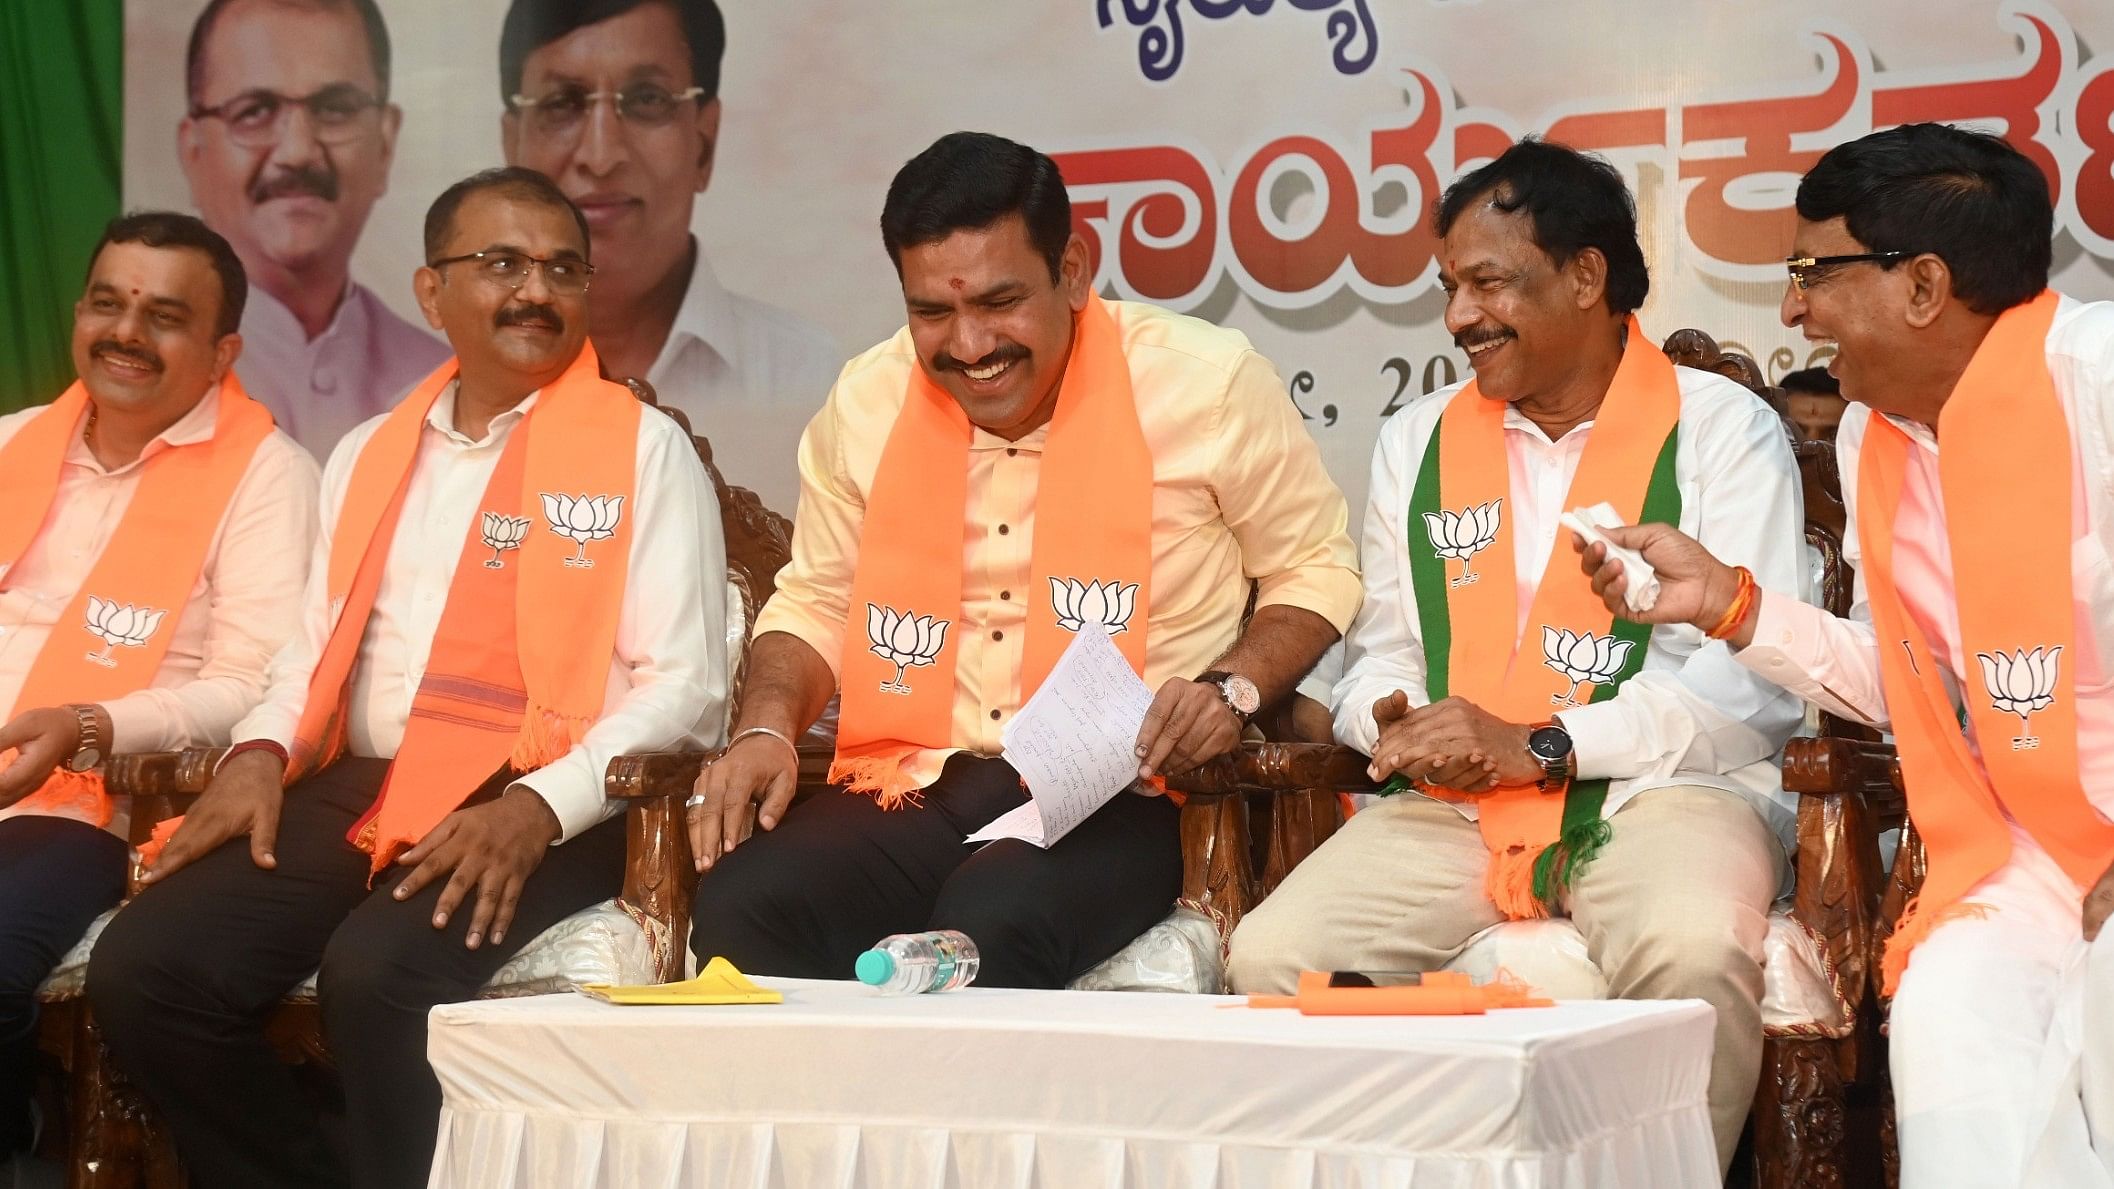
point(286, 142)
point(618, 102)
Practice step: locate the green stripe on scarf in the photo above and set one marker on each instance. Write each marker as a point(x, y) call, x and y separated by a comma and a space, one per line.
point(1584, 830)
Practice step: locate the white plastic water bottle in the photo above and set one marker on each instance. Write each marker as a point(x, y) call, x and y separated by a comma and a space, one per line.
point(914, 963)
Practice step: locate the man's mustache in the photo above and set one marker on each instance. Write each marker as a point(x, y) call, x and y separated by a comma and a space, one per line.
point(1007, 354)
point(1475, 338)
point(530, 314)
point(296, 181)
point(111, 348)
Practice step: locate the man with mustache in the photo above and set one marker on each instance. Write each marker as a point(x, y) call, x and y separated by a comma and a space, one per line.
point(618, 102)
point(153, 533)
point(1022, 458)
point(1546, 758)
point(489, 621)
point(286, 143)
point(1980, 494)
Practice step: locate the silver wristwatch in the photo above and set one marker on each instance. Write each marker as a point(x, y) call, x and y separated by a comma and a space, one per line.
point(88, 751)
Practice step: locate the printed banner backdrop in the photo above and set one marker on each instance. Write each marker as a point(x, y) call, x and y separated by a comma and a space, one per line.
point(1265, 165)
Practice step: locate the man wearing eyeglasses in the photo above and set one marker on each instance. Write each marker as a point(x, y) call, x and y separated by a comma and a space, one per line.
point(520, 578)
point(286, 143)
point(618, 102)
point(1980, 493)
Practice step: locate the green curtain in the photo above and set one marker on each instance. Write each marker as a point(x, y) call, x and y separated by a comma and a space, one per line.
point(62, 67)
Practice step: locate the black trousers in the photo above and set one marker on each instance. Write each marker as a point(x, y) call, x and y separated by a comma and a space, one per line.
point(186, 976)
point(840, 872)
point(56, 876)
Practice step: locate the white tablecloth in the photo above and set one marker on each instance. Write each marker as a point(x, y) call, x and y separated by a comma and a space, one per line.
point(839, 1087)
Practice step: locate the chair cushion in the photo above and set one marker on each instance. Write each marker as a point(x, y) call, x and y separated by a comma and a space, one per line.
point(1179, 954)
point(1799, 995)
point(603, 944)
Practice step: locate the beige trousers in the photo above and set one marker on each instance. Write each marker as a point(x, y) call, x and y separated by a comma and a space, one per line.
point(1675, 907)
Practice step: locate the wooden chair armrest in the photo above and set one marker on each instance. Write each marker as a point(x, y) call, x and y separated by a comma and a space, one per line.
point(194, 770)
point(1847, 792)
point(1278, 768)
point(141, 774)
point(654, 774)
point(1830, 766)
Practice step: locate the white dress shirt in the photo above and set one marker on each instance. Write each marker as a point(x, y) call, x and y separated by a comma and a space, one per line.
point(319, 388)
point(1835, 662)
point(749, 376)
point(668, 677)
point(242, 608)
point(1692, 715)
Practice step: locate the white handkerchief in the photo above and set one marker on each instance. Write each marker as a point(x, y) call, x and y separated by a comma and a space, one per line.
point(1641, 582)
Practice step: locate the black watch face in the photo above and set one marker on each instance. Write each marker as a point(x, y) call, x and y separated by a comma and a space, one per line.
point(1549, 743)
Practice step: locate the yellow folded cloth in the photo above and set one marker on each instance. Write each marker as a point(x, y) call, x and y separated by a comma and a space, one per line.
point(717, 983)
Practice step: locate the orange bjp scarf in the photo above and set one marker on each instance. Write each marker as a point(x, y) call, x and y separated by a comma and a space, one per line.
point(2002, 425)
point(145, 572)
point(1092, 553)
point(1572, 650)
point(520, 661)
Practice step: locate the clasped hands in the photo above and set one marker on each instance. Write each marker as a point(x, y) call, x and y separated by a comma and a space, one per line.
point(1450, 744)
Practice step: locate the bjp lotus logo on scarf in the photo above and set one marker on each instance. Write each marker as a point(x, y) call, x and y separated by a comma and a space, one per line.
point(907, 641)
point(2022, 683)
point(501, 534)
point(119, 626)
point(1582, 658)
point(1464, 534)
point(1108, 604)
point(588, 518)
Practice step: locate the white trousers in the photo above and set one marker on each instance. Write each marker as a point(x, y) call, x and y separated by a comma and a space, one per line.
point(1994, 1040)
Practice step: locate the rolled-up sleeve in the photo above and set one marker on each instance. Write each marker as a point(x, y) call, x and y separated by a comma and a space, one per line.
point(254, 577)
point(814, 588)
point(1287, 515)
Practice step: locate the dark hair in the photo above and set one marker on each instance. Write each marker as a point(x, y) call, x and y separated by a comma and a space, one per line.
point(532, 24)
point(167, 229)
point(510, 180)
point(1966, 197)
point(1575, 201)
point(1811, 381)
point(202, 28)
point(970, 180)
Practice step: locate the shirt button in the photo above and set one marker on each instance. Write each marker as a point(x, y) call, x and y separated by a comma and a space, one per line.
point(1005, 595)
point(1010, 452)
point(994, 716)
point(1003, 530)
point(998, 635)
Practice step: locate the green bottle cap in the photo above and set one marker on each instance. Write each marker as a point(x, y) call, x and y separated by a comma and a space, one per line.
point(876, 967)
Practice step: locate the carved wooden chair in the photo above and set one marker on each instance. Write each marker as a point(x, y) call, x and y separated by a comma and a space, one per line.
point(115, 1141)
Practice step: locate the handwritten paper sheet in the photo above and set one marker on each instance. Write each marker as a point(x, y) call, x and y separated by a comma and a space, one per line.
point(1074, 742)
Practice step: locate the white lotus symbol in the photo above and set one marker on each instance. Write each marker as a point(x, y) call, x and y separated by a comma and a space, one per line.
point(1108, 604)
point(502, 533)
point(119, 625)
point(2021, 682)
point(1582, 658)
point(1464, 534)
point(907, 641)
point(588, 518)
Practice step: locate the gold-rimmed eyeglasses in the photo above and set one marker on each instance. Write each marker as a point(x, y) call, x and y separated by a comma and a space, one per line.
point(510, 270)
point(1803, 268)
point(256, 119)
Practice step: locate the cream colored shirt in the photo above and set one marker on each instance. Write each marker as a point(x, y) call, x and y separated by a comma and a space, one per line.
point(667, 684)
point(242, 608)
point(1239, 496)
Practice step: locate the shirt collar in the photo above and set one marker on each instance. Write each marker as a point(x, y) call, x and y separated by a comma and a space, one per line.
point(707, 314)
point(189, 430)
point(441, 418)
point(1514, 419)
point(1919, 433)
point(271, 317)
